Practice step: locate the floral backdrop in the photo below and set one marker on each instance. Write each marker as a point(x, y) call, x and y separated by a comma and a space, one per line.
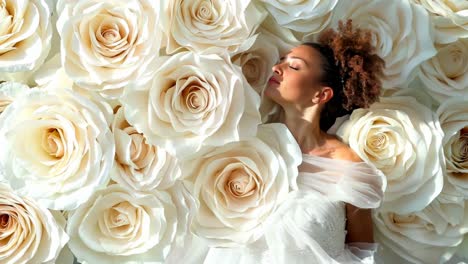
point(129, 128)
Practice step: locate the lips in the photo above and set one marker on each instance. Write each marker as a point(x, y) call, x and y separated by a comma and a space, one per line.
point(273, 80)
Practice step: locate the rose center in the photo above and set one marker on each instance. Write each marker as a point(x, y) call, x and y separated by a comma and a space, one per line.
point(52, 143)
point(378, 141)
point(140, 152)
point(204, 12)
point(8, 224)
point(250, 70)
point(119, 216)
point(196, 98)
point(241, 184)
point(453, 61)
point(460, 149)
point(111, 35)
point(4, 221)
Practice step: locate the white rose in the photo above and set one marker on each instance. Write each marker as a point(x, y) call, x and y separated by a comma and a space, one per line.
point(307, 16)
point(446, 74)
point(240, 184)
point(25, 34)
point(107, 44)
point(140, 166)
point(56, 147)
point(454, 122)
point(428, 236)
point(121, 226)
point(216, 25)
point(401, 34)
point(28, 232)
point(257, 61)
point(403, 139)
point(8, 92)
point(192, 100)
point(450, 18)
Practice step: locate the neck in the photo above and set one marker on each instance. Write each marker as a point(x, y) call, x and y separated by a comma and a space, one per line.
point(304, 125)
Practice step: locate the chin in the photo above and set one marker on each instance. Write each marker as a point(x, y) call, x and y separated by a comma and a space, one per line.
point(271, 92)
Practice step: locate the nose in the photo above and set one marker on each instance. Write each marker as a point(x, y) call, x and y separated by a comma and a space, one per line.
point(276, 68)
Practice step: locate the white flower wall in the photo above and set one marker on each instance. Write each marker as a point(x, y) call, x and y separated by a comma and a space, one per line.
point(129, 129)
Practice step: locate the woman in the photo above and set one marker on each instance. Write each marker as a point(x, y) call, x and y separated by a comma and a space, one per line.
point(328, 220)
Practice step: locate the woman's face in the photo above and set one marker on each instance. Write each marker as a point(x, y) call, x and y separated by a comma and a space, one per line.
point(296, 77)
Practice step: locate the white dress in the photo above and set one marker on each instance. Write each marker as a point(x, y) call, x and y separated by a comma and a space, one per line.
point(309, 227)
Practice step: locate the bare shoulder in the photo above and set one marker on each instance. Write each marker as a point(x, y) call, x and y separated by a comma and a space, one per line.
point(343, 152)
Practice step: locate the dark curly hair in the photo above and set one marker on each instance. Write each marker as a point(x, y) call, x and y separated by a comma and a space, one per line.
point(351, 68)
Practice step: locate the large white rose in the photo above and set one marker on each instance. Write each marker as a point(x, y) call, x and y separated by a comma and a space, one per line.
point(257, 61)
point(401, 34)
point(140, 166)
point(403, 139)
point(240, 184)
point(450, 18)
point(428, 236)
point(453, 116)
point(8, 92)
point(306, 16)
point(446, 74)
point(107, 44)
point(193, 100)
point(25, 34)
point(121, 226)
point(56, 147)
point(216, 25)
point(28, 231)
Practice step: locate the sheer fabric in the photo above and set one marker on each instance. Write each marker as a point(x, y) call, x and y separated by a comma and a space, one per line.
point(309, 227)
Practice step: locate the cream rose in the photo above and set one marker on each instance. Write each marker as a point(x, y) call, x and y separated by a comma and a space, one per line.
point(446, 74)
point(257, 61)
point(8, 92)
point(428, 236)
point(25, 34)
point(140, 166)
point(241, 183)
point(306, 16)
point(403, 139)
point(28, 231)
point(450, 18)
point(107, 44)
point(217, 25)
point(56, 147)
point(454, 122)
point(121, 226)
point(192, 100)
point(401, 34)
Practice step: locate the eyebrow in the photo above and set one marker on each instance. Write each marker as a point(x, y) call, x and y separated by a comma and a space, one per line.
point(295, 57)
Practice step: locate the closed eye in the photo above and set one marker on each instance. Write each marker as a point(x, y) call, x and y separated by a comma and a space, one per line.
point(294, 68)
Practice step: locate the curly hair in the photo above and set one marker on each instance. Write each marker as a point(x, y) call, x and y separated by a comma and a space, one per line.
point(351, 68)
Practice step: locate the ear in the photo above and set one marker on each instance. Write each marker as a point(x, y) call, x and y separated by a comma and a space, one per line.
point(323, 96)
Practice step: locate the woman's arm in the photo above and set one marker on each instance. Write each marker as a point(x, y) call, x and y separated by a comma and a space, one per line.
point(359, 225)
